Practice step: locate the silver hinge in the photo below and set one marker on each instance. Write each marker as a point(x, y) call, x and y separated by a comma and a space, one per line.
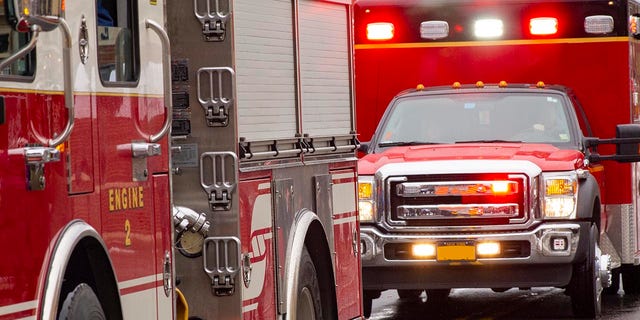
point(221, 257)
point(36, 158)
point(213, 20)
point(215, 94)
point(214, 179)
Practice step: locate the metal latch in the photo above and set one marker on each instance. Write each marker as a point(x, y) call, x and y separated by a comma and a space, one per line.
point(217, 96)
point(221, 257)
point(214, 179)
point(36, 158)
point(214, 22)
point(144, 149)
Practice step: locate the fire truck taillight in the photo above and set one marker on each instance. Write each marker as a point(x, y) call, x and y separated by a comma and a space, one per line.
point(434, 30)
point(543, 26)
point(380, 31)
point(488, 28)
point(600, 24)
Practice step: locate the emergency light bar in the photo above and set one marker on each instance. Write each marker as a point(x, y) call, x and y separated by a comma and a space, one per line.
point(598, 24)
point(488, 28)
point(380, 31)
point(543, 26)
point(434, 29)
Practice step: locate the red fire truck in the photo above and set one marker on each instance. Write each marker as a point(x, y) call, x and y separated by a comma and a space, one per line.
point(177, 159)
point(484, 174)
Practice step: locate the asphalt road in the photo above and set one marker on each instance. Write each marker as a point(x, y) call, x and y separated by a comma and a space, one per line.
point(463, 304)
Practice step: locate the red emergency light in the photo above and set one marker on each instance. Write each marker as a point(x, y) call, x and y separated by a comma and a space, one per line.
point(380, 31)
point(543, 26)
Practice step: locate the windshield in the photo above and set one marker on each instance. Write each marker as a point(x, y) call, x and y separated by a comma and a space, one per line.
point(477, 117)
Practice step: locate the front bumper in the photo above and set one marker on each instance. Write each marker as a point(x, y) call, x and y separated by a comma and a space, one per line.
point(531, 263)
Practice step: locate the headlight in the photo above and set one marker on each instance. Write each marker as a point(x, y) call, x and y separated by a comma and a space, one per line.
point(559, 194)
point(366, 201)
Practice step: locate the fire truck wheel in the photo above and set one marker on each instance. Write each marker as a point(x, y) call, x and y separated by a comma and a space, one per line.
point(309, 303)
point(409, 295)
point(585, 287)
point(631, 279)
point(81, 303)
point(437, 296)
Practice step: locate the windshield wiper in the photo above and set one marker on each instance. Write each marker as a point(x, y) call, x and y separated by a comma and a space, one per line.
point(404, 143)
point(489, 141)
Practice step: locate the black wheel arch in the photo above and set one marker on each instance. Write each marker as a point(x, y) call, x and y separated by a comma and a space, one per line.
point(589, 200)
point(316, 243)
point(90, 264)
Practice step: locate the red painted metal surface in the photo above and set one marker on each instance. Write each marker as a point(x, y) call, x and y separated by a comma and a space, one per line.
point(97, 166)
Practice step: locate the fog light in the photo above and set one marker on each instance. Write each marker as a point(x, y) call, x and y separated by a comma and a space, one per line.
point(488, 248)
point(423, 250)
point(559, 243)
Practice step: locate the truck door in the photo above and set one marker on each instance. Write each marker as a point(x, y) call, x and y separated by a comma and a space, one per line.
point(133, 169)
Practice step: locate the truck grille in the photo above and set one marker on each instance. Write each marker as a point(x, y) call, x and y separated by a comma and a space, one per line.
point(457, 200)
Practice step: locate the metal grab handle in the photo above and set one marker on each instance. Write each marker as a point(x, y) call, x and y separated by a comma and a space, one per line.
point(166, 74)
point(68, 82)
point(35, 29)
point(68, 85)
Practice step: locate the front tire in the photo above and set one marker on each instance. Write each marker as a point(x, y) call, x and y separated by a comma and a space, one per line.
point(631, 279)
point(586, 286)
point(409, 295)
point(81, 304)
point(437, 296)
point(309, 302)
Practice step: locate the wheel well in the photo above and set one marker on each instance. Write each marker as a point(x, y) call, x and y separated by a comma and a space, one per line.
point(90, 264)
point(316, 243)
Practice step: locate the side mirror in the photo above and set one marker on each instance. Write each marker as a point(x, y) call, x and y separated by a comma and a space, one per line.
point(23, 14)
point(363, 149)
point(364, 146)
point(627, 143)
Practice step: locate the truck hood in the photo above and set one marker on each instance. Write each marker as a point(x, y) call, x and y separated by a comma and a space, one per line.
point(545, 156)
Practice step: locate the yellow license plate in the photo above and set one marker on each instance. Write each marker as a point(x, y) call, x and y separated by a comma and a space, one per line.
point(456, 251)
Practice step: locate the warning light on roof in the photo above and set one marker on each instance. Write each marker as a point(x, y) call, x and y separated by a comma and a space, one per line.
point(502, 84)
point(488, 28)
point(543, 26)
point(420, 87)
point(600, 24)
point(479, 84)
point(540, 84)
point(380, 31)
point(456, 85)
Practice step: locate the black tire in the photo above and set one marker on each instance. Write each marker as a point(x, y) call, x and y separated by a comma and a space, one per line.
point(585, 286)
point(615, 283)
point(81, 304)
point(631, 279)
point(367, 305)
point(409, 295)
point(437, 296)
point(309, 304)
